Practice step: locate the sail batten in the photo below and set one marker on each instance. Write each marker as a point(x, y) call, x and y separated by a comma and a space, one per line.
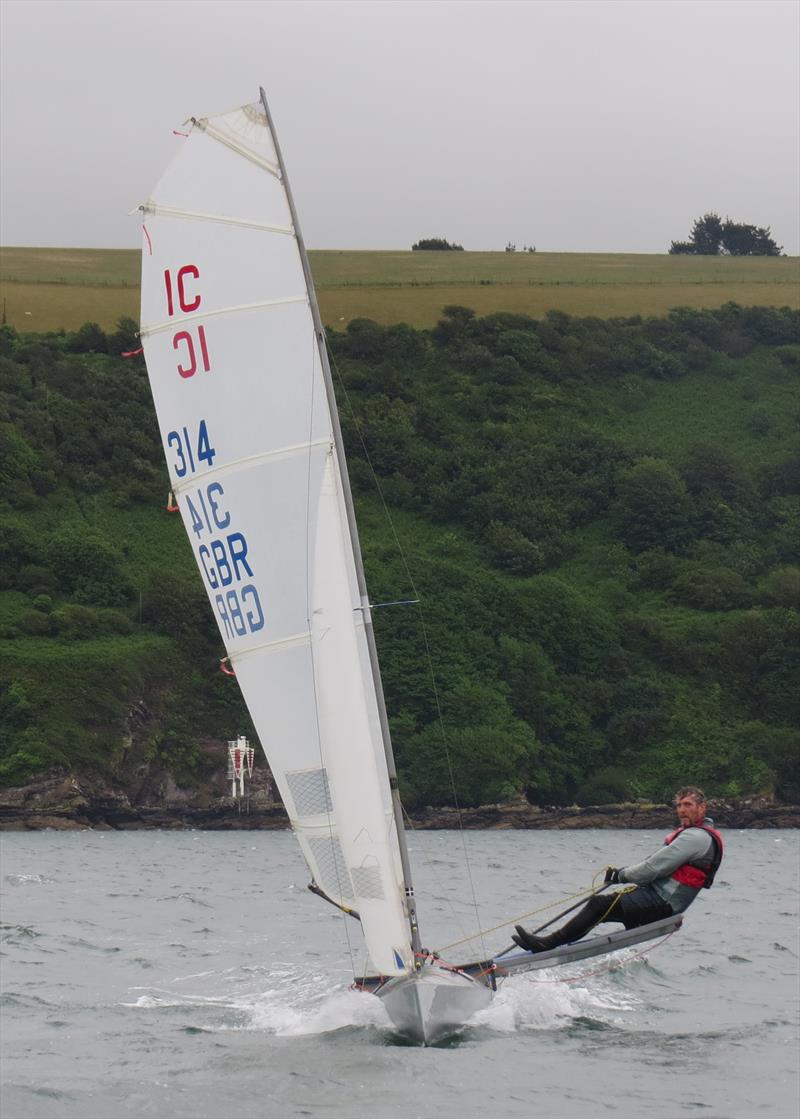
point(223, 219)
point(247, 463)
point(221, 137)
point(264, 304)
point(249, 438)
point(268, 646)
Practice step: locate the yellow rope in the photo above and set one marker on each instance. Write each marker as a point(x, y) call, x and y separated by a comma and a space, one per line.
point(615, 898)
point(593, 889)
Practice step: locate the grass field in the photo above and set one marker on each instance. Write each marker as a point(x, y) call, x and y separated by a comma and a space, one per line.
point(50, 289)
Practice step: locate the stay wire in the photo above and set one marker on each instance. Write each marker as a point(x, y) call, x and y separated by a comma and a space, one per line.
point(518, 919)
point(444, 893)
point(429, 658)
point(592, 891)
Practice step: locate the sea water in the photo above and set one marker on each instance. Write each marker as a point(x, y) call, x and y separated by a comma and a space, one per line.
point(173, 974)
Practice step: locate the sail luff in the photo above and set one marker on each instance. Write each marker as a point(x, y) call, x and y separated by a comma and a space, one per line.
point(354, 540)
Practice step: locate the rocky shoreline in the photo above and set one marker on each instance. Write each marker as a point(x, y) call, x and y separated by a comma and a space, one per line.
point(67, 803)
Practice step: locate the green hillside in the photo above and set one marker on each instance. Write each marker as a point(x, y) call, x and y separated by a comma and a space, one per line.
point(601, 518)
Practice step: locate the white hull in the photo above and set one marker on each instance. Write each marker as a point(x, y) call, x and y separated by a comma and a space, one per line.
point(429, 1005)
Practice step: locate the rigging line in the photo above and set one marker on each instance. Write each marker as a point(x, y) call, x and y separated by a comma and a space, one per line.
point(364, 967)
point(435, 874)
point(334, 839)
point(452, 781)
point(531, 913)
point(429, 658)
point(397, 602)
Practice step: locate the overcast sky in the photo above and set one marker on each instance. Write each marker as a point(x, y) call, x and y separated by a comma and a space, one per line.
point(574, 125)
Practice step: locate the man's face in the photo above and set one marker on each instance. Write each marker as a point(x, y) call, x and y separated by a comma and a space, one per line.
point(690, 812)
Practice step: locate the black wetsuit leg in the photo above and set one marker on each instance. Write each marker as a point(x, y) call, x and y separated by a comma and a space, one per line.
point(597, 909)
point(603, 907)
point(641, 906)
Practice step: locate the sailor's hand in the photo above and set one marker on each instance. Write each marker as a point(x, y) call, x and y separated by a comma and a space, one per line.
point(612, 876)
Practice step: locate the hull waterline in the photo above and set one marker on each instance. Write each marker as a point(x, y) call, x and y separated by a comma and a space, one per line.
point(433, 1003)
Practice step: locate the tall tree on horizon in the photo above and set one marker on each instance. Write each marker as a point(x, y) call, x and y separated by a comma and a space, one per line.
point(711, 236)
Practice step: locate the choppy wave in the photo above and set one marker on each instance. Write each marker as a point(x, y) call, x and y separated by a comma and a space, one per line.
point(17, 932)
point(29, 880)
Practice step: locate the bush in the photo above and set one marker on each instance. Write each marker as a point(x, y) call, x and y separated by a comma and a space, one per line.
point(365, 339)
point(436, 244)
point(23, 756)
point(782, 587)
point(653, 508)
point(34, 623)
point(89, 568)
point(126, 337)
point(88, 339)
point(74, 622)
point(609, 786)
point(789, 356)
point(760, 421)
point(36, 579)
point(513, 552)
point(716, 588)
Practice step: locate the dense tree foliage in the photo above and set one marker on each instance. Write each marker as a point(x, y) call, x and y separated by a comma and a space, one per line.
point(600, 517)
point(437, 244)
point(711, 236)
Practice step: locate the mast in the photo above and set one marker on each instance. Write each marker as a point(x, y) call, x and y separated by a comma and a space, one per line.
point(366, 610)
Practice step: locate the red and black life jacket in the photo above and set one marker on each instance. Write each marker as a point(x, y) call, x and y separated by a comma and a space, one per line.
point(699, 874)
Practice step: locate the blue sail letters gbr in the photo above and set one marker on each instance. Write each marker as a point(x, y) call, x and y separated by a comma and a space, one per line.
point(221, 555)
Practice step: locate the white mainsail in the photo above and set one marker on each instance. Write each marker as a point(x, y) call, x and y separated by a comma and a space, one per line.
point(236, 374)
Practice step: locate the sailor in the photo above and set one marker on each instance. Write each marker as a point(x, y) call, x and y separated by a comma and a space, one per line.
point(666, 883)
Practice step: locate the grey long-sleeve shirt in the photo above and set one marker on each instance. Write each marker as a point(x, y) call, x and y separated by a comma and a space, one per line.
point(655, 871)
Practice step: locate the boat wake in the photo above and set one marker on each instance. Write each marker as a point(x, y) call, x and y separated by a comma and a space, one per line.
point(539, 1001)
point(340, 1010)
point(292, 1005)
point(29, 880)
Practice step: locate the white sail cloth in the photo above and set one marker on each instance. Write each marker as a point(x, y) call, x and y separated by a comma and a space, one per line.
point(237, 380)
